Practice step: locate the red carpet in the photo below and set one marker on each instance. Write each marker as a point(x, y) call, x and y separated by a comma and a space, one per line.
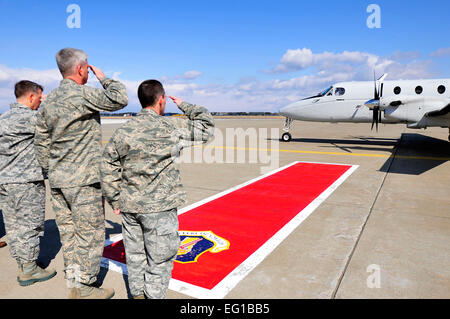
point(220, 234)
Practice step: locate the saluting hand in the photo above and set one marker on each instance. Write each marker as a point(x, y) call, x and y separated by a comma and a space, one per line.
point(176, 100)
point(98, 73)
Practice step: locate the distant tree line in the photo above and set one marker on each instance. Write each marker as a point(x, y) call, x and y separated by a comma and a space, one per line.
point(213, 113)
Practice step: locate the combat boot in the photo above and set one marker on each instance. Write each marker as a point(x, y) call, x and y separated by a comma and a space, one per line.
point(29, 273)
point(90, 292)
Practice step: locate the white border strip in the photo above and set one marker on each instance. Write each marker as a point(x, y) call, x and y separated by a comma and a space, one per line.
point(112, 264)
point(233, 278)
point(230, 281)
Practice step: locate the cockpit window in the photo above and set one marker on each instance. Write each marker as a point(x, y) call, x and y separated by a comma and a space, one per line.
point(324, 92)
point(339, 91)
point(328, 91)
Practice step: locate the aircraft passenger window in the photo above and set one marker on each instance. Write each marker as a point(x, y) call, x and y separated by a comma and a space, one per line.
point(441, 89)
point(339, 91)
point(397, 90)
point(419, 90)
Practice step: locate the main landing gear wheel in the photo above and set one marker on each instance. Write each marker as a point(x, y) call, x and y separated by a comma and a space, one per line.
point(286, 137)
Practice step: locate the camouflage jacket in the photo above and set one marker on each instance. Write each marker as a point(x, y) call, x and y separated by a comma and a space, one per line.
point(68, 133)
point(18, 162)
point(139, 170)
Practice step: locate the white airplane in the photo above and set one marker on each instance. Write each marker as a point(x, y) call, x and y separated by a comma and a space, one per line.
point(416, 103)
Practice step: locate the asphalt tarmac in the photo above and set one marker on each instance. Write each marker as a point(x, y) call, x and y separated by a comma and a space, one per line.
point(383, 233)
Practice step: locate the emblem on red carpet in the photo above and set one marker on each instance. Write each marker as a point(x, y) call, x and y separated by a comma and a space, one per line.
point(195, 243)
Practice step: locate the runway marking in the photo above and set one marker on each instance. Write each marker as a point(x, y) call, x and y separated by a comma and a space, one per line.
point(246, 223)
point(430, 158)
point(427, 158)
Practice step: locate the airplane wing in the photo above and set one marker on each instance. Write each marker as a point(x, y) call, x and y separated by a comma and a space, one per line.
point(418, 107)
point(440, 112)
point(433, 106)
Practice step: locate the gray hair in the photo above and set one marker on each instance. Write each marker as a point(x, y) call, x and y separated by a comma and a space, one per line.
point(68, 59)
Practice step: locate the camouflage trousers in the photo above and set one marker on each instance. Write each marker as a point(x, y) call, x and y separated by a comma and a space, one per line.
point(23, 207)
point(151, 244)
point(80, 217)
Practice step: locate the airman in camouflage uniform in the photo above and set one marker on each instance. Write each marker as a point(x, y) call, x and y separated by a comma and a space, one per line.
point(22, 189)
point(68, 146)
point(141, 181)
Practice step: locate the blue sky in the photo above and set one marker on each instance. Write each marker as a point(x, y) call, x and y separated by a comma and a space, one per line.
point(227, 55)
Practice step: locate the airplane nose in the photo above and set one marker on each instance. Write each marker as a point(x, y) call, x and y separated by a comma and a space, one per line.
point(301, 110)
point(287, 110)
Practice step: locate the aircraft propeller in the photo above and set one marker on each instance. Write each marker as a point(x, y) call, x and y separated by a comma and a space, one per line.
point(374, 104)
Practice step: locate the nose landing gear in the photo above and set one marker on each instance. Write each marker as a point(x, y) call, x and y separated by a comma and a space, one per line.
point(286, 137)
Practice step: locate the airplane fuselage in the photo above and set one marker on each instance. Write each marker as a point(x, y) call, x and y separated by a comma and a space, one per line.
point(344, 102)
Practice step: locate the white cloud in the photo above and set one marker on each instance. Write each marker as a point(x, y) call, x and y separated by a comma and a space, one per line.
point(300, 59)
point(189, 75)
point(49, 79)
point(268, 93)
point(43, 77)
point(348, 66)
point(441, 52)
point(405, 56)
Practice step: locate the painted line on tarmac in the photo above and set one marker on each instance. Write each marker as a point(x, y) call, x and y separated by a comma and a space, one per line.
point(426, 158)
point(430, 158)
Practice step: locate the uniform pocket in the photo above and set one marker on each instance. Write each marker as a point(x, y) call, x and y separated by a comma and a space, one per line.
point(167, 223)
point(167, 239)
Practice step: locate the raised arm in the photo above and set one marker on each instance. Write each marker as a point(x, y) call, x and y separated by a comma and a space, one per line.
point(199, 125)
point(112, 97)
